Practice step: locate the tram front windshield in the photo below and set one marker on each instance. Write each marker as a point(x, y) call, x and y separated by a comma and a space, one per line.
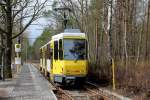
point(74, 49)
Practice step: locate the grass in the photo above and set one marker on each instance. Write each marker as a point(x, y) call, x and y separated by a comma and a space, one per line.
point(131, 77)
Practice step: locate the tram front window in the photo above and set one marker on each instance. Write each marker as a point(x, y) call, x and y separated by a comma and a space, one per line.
point(74, 49)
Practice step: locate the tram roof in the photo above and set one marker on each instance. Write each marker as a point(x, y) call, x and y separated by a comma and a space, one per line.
point(67, 33)
point(62, 35)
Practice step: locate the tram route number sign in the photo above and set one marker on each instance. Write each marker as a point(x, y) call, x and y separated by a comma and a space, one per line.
point(17, 47)
point(17, 60)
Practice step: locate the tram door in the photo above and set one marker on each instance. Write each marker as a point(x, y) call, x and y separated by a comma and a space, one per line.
point(48, 58)
point(60, 49)
point(55, 61)
point(51, 60)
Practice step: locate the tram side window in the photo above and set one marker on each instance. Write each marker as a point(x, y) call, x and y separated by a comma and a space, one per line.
point(45, 53)
point(60, 50)
point(56, 50)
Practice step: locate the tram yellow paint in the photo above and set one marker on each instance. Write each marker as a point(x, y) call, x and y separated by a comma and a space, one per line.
point(62, 68)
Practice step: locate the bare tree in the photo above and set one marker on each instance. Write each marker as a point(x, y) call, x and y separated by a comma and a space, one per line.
point(31, 11)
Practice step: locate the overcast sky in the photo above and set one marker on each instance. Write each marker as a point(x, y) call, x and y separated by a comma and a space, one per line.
point(36, 28)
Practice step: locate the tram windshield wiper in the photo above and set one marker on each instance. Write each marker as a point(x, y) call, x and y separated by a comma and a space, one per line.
point(79, 56)
point(76, 59)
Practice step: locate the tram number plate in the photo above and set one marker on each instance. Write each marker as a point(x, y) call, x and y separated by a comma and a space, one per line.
point(70, 77)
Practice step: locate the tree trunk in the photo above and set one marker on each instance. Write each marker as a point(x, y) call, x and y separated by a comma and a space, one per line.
point(8, 59)
point(147, 30)
point(141, 37)
point(8, 37)
point(109, 30)
point(125, 32)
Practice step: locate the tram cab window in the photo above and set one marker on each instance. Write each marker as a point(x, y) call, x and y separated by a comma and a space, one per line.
point(56, 50)
point(60, 50)
point(74, 49)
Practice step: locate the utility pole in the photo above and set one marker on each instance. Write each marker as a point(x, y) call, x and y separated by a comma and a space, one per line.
point(65, 18)
point(26, 52)
point(18, 53)
point(20, 37)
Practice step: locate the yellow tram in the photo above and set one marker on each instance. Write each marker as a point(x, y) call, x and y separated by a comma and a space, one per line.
point(64, 58)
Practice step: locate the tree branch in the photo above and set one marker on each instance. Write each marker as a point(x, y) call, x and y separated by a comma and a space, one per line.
point(22, 8)
point(37, 10)
point(3, 31)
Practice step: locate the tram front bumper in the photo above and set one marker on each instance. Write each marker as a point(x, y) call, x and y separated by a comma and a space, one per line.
point(68, 79)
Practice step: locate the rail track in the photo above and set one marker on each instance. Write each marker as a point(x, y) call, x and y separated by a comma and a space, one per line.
point(88, 91)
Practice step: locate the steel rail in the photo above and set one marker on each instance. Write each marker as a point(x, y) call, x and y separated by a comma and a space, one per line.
point(96, 92)
point(108, 94)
